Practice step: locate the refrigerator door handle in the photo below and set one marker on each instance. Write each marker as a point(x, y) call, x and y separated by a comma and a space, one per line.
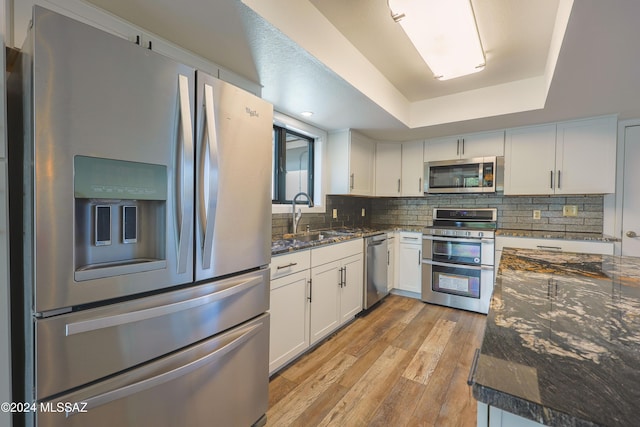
point(163, 310)
point(209, 215)
point(184, 185)
point(110, 396)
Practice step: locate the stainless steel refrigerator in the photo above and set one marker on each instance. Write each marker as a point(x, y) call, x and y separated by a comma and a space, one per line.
point(141, 226)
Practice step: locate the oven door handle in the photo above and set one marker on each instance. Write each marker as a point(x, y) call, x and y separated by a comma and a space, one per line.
point(468, 267)
point(459, 240)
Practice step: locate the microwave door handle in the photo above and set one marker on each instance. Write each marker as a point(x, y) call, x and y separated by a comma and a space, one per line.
point(184, 184)
point(209, 213)
point(109, 396)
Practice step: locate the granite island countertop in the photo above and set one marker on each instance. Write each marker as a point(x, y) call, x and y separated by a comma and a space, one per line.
point(563, 235)
point(562, 339)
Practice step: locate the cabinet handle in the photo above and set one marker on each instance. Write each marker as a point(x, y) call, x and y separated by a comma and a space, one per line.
point(291, 264)
point(558, 179)
point(344, 276)
point(551, 178)
point(352, 180)
point(419, 257)
point(340, 280)
point(458, 148)
point(398, 185)
point(310, 290)
point(419, 185)
point(388, 257)
point(462, 146)
point(474, 365)
point(553, 248)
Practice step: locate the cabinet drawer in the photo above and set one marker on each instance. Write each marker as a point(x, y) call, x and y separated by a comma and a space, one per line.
point(329, 253)
point(411, 237)
point(290, 263)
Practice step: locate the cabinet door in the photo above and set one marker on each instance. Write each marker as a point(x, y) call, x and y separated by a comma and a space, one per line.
point(412, 168)
point(361, 164)
point(325, 302)
point(586, 156)
point(482, 145)
point(410, 268)
point(442, 149)
point(529, 160)
point(388, 169)
point(289, 330)
point(351, 293)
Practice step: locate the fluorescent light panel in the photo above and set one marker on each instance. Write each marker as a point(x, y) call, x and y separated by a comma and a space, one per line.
point(445, 34)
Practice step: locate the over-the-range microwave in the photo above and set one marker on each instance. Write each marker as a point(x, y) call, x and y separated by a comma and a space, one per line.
point(477, 175)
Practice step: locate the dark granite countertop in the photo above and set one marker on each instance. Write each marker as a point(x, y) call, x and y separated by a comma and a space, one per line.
point(562, 339)
point(290, 243)
point(563, 235)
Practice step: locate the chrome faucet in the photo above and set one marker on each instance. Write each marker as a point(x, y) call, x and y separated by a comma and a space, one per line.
point(297, 215)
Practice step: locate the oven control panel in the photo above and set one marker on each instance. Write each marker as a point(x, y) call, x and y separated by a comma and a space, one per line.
point(452, 232)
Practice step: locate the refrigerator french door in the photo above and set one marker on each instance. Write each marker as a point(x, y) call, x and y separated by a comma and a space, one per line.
point(125, 299)
point(233, 180)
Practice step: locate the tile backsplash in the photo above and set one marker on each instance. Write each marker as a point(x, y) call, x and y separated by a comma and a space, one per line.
point(514, 212)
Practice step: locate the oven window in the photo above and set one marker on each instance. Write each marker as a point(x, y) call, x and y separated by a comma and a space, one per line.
point(456, 281)
point(451, 251)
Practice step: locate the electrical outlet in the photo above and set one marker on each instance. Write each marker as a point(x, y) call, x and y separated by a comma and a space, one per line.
point(363, 213)
point(536, 214)
point(570, 210)
point(335, 214)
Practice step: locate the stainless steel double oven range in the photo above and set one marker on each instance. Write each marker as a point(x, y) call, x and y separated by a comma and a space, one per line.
point(458, 258)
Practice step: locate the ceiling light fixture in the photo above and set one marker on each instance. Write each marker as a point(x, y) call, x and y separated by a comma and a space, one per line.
point(306, 113)
point(444, 33)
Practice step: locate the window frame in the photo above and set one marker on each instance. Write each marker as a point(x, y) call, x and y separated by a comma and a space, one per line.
point(279, 170)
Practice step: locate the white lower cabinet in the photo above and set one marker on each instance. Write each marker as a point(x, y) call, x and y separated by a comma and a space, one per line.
point(490, 416)
point(410, 262)
point(289, 307)
point(337, 285)
point(325, 297)
point(313, 293)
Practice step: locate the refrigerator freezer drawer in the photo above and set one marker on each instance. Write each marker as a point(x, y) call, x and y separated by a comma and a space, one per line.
point(222, 381)
point(74, 349)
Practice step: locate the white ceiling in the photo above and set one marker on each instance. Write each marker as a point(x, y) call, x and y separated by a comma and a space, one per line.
point(347, 61)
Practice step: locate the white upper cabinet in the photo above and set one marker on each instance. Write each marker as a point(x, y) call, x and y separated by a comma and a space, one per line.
point(586, 156)
point(389, 158)
point(529, 160)
point(468, 146)
point(412, 168)
point(399, 169)
point(577, 157)
point(351, 163)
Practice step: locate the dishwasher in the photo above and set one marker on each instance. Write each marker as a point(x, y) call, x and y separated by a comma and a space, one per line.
point(376, 264)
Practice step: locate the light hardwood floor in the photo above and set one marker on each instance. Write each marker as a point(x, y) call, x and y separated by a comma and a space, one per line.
point(403, 364)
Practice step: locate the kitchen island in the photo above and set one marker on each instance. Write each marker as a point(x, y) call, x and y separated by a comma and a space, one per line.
point(562, 341)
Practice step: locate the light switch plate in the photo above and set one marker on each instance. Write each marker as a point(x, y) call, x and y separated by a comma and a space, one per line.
point(536, 214)
point(570, 210)
point(363, 212)
point(335, 213)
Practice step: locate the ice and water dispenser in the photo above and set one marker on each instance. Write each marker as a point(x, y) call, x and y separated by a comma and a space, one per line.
point(120, 217)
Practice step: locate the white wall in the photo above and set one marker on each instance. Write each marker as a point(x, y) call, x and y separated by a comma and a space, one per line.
point(5, 344)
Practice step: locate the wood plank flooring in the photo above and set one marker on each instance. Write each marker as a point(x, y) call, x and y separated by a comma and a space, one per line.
point(403, 364)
